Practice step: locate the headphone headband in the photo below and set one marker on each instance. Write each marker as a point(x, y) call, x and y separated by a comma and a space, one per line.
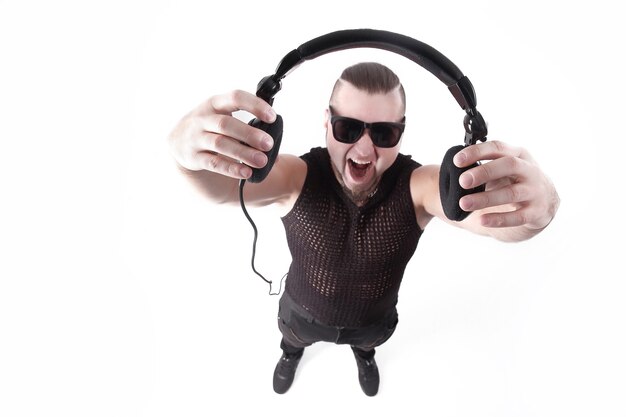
point(416, 51)
point(419, 52)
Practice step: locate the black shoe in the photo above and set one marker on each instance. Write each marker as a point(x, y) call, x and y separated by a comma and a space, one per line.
point(368, 375)
point(285, 372)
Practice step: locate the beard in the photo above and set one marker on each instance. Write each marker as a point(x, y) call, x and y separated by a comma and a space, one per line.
point(360, 195)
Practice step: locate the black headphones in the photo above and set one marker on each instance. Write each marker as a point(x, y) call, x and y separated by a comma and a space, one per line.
point(418, 52)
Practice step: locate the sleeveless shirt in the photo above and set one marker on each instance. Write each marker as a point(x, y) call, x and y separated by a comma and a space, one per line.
point(348, 261)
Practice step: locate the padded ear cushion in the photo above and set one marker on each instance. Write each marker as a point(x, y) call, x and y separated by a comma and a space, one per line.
point(275, 130)
point(449, 188)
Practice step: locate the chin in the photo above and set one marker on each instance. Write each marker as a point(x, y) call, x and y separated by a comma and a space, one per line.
point(360, 189)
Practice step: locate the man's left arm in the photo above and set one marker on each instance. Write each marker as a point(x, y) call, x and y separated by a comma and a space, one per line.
point(519, 200)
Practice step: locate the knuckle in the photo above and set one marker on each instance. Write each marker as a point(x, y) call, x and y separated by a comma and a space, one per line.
point(484, 200)
point(523, 152)
point(233, 169)
point(234, 95)
point(484, 171)
point(220, 143)
point(517, 194)
point(495, 220)
point(253, 136)
point(499, 146)
point(221, 123)
point(522, 218)
point(514, 165)
point(212, 162)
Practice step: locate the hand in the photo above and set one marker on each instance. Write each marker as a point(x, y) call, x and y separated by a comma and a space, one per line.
point(517, 192)
point(210, 138)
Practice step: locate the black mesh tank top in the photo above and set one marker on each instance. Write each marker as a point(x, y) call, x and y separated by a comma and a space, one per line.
point(348, 261)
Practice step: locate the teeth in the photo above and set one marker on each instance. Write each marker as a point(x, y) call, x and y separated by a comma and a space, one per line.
point(361, 162)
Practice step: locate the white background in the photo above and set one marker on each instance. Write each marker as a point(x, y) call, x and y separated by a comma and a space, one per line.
point(124, 293)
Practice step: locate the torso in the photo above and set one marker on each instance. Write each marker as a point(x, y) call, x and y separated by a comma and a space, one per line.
point(348, 260)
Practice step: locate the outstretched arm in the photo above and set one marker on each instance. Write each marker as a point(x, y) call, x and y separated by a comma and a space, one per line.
point(215, 150)
point(519, 200)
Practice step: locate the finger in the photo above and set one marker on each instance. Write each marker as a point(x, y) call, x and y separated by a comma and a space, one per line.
point(223, 165)
point(231, 127)
point(486, 151)
point(515, 193)
point(233, 149)
point(507, 166)
point(242, 100)
point(506, 219)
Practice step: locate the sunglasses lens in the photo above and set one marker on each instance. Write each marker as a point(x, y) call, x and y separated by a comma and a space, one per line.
point(346, 130)
point(385, 135)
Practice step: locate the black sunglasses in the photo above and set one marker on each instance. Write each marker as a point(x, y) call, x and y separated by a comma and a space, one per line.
point(383, 134)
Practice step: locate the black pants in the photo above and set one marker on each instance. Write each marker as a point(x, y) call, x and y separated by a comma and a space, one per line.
point(300, 329)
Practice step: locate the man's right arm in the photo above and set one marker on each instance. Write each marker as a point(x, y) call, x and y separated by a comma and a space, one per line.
point(215, 150)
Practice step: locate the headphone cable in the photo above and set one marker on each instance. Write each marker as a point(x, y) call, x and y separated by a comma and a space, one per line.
point(256, 234)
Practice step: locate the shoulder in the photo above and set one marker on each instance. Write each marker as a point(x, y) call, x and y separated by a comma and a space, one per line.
point(425, 193)
point(316, 156)
point(424, 173)
point(400, 171)
point(403, 168)
point(317, 166)
point(404, 163)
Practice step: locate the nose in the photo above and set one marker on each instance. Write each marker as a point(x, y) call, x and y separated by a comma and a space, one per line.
point(364, 145)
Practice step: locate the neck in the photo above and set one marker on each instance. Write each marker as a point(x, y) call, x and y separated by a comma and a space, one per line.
point(358, 197)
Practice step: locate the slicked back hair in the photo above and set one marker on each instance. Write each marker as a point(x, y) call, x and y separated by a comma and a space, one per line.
point(373, 78)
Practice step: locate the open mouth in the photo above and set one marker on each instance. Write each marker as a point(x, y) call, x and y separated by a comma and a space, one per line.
point(359, 169)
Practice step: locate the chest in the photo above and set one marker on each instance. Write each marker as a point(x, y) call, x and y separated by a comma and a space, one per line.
point(330, 228)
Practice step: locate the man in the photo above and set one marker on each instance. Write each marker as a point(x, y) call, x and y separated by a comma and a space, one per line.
point(355, 210)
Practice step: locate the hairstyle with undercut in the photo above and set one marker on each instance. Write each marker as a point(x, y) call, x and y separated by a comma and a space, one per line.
point(373, 78)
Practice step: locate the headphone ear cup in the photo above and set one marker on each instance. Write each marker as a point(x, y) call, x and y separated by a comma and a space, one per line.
point(450, 190)
point(275, 130)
